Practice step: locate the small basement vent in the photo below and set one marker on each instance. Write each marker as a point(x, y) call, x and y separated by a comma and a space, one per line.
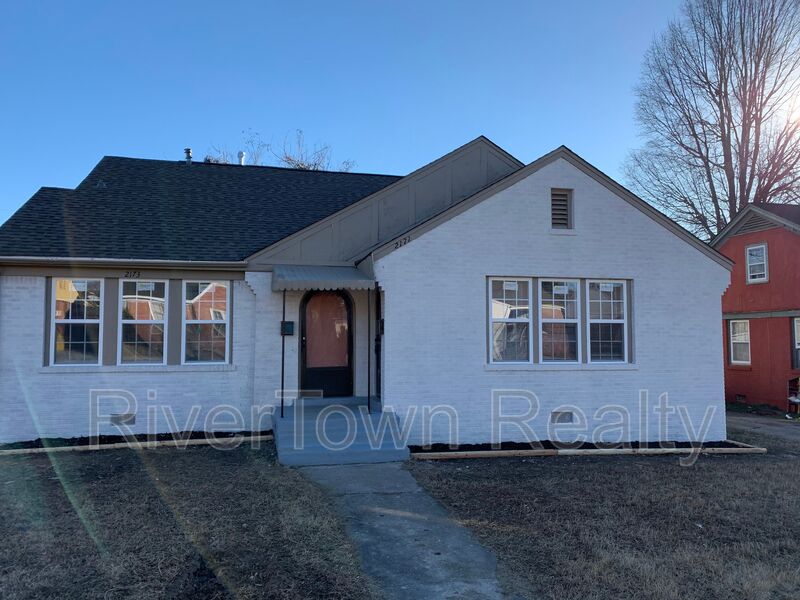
point(561, 209)
point(562, 416)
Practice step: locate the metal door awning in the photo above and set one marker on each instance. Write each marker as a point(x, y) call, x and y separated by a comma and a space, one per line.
point(309, 277)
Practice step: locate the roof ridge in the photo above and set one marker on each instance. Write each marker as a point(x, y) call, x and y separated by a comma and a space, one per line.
point(274, 167)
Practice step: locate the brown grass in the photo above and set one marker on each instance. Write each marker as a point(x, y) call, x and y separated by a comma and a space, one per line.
point(633, 527)
point(169, 523)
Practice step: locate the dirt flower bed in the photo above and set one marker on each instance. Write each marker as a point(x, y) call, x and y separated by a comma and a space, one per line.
point(633, 527)
point(194, 523)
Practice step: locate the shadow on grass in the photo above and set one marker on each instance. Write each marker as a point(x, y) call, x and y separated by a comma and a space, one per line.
point(193, 523)
point(633, 527)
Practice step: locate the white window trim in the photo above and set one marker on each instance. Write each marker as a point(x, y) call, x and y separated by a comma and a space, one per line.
point(121, 322)
point(730, 342)
point(766, 263)
point(54, 321)
point(589, 321)
point(492, 320)
point(540, 322)
point(227, 323)
point(797, 333)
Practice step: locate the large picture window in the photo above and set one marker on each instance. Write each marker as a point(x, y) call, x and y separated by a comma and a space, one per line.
point(142, 322)
point(607, 321)
point(77, 312)
point(740, 342)
point(510, 320)
point(757, 264)
point(560, 318)
point(206, 335)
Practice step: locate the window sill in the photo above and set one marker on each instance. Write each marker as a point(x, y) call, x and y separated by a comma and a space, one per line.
point(734, 367)
point(61, 370)
point(563, 367)
point(563, 232)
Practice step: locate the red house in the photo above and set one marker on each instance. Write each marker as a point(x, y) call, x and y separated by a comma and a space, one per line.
point(761, 308)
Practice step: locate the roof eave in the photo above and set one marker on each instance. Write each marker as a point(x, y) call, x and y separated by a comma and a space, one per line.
point(115, 262)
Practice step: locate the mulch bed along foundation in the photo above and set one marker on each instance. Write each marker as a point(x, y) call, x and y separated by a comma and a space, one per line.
point(117, 441)
point(547, 448)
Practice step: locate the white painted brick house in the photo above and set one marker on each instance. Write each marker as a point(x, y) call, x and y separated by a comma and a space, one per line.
point(195, 296)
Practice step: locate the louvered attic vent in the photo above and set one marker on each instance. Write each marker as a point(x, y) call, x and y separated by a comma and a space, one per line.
point(561, 209)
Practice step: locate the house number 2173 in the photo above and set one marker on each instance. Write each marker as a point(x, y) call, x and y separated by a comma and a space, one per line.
point(402, 242)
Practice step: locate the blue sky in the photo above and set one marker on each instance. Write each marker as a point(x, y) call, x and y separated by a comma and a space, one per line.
point(391, 85)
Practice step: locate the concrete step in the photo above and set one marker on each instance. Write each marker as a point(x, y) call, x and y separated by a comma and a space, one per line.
point(299, 443)
point(308, 457)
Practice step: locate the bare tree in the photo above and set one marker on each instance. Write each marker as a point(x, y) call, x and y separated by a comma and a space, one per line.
point(295, 154)
point(298, 155)
point(718, 106)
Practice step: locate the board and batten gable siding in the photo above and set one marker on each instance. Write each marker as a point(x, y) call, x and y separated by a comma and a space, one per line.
point(346, 235)
point(435, 309)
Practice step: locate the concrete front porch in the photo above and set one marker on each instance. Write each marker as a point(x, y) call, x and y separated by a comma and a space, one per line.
point(336, 431)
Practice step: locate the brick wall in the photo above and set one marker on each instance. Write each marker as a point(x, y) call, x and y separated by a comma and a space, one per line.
point(39, 401)
point(435, 343)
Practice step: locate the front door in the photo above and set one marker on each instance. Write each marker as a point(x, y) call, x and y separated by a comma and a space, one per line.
point(326, 323)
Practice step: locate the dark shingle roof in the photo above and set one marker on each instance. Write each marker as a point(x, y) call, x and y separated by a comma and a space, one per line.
point(790, 212)
point(132, 208)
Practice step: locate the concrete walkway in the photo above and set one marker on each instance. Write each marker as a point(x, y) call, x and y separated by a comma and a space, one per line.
point(774, 426)
point(406, 540)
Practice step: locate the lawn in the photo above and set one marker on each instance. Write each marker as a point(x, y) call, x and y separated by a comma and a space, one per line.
point(633, 527)
point(194, 523)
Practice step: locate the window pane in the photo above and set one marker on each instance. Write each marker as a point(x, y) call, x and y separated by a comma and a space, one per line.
point(76, 343)
point(77, 299)
point(559, 300)
point(797, 333)
point(510, 299)
point(740, 352)
point(740, 331)
point(559, 341)
point(756, 255)
point(510, 342)
point(206, 300)
point(143, 300)
point(142, 343)
point(607, 341)
point(606, 300)
point(205, 342)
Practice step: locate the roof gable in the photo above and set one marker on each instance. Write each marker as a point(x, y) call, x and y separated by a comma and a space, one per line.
point(758, 218)
point(559, 153)
point(346, 235)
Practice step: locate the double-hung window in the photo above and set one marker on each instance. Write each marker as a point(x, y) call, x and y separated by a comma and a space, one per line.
point(797, 333)
point(796, 344)
point(740, 342)
point(510, 318)
point(206, 335)
point(77, 312)
point(143, 322)
point(607, 321)
point(559, 311)
point(757, 264)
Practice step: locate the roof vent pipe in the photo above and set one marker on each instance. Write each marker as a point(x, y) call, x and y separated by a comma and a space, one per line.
point(188, 153)
point(241, 157)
